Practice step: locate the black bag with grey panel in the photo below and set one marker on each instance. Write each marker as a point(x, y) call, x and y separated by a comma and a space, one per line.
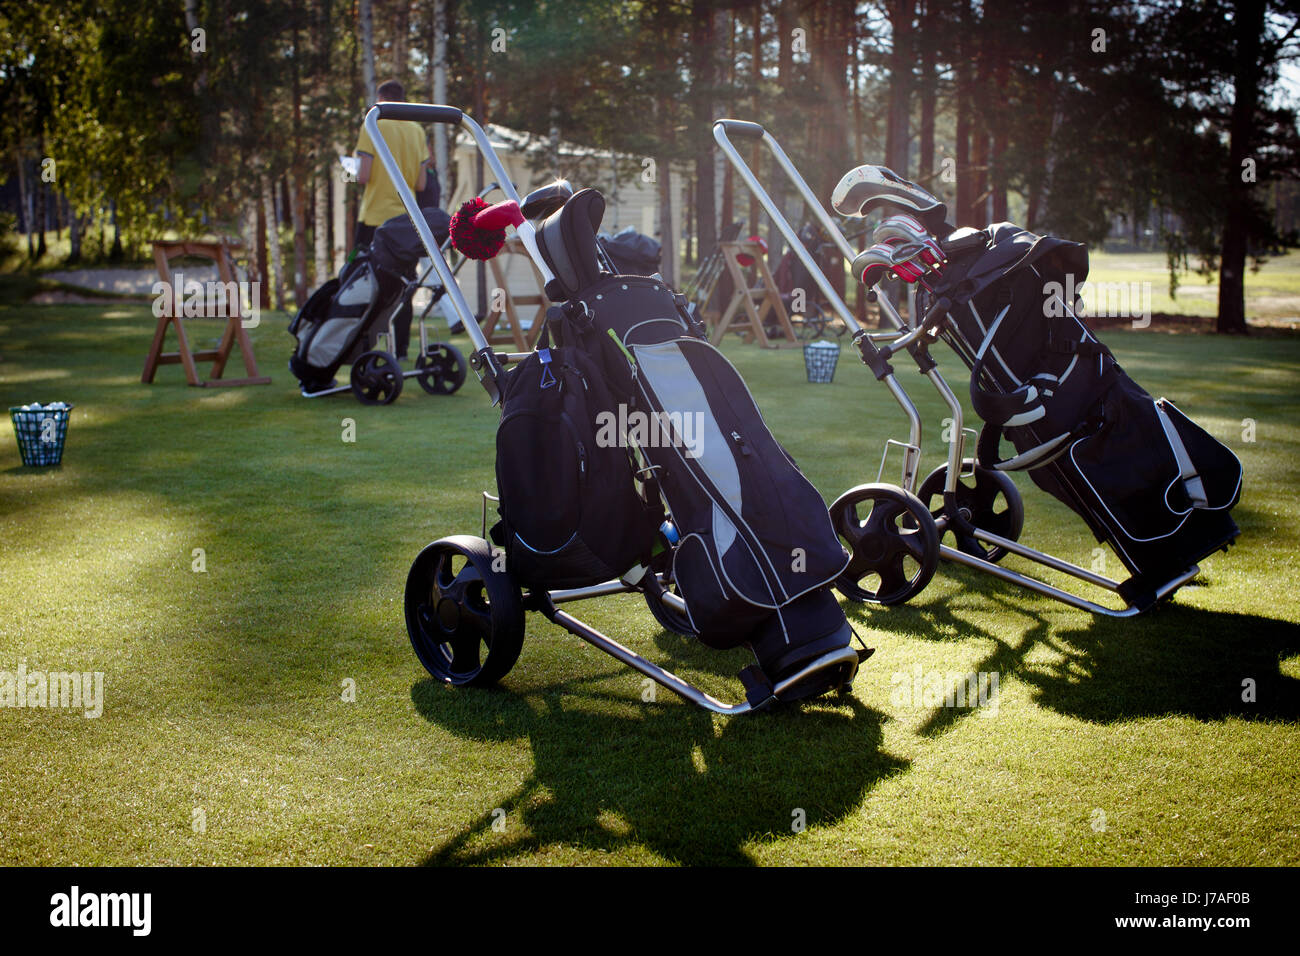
point(1147, 479)
point(753, 551)
point(340, 319)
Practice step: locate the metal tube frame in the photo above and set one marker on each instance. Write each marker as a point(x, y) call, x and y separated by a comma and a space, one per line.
point(904, 336)
point(485, 362)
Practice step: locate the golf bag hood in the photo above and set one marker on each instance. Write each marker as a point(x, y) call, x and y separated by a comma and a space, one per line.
point(396, 245)
point(1008, 247)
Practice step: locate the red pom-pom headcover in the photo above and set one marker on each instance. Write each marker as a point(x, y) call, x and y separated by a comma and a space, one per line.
point(469, 239)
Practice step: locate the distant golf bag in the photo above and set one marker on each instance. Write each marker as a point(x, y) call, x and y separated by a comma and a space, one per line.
point(343, 318)
point(755, 554)
point(1148, 481)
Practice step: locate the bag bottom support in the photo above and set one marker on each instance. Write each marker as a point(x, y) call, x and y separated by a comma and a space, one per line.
point(824, 664)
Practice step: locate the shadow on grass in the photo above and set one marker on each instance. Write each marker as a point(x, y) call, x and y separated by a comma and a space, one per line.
point(1180, 661)
point(1173, 660)
point(611, 774)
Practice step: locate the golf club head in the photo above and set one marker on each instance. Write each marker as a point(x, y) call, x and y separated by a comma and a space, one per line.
point(906, 229)
point(873, 264)
point(866, 188)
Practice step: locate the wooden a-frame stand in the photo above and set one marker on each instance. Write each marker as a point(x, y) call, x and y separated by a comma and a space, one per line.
point(749, 303)
point(164, 250)
point(515, 334)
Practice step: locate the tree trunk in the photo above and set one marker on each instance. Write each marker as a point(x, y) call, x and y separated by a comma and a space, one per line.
point(338, 201)
point(368, 49)
point(42, 212)
point(925, 161)
point(755, 77)
point(440, 88)
point(705, 78)
point(74, 236)
point(963, 215)
point(900, 87)
point(401, 31)
point(321, 224)
point(980, 167)
point(1248, 27)
point(298, 174)
point(996, 32)
point(249, 220)
point(276, 275)
point(28, 205)
point(259, 255)
point(115, 254)
point(298, 216)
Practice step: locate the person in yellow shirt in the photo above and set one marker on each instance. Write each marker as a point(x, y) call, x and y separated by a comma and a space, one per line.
point(379, 201)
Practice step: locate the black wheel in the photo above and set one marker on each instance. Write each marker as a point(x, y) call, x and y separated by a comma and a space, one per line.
point(988, 499)
point(892, 540)
point(811, 324)
point(465, 619)
point(376, 378)
point(669, 618)
point(442, 369)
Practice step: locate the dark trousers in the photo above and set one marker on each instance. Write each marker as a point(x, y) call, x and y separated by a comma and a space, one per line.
point(401, 321)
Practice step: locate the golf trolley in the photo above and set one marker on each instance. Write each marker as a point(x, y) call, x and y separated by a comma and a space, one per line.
point(895, 531)
point(351, 320)
point(465, 613)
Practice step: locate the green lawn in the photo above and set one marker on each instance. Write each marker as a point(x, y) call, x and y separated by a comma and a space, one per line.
point(224, 738)
point(1272, 291)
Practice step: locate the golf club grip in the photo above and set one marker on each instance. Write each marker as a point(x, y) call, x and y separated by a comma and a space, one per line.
point(503, 214)
point(420, 113)
point(938, 312)
point(741, 128)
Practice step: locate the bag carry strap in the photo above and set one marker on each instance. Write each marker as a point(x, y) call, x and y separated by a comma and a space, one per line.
point(987, 451)
point(1011, 409)
point(1191, 479)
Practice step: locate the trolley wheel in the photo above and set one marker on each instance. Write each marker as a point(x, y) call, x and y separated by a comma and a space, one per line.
point(893, 542)
point(465, 619)
point(376, 378)
point(988, 499)
point(811, 324)
point(442, 369)
point(669, 618)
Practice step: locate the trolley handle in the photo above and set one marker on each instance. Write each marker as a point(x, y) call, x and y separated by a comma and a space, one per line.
point(929, 323)
point(420, 113)
point(741, 128)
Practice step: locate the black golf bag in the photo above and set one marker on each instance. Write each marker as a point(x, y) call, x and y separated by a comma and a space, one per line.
point(633, 253)
point(1148, 481)
point(754, 553)
point(342, 318)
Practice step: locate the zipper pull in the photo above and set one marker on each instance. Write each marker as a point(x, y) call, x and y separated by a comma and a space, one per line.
point(582, 461)
point(739, 439)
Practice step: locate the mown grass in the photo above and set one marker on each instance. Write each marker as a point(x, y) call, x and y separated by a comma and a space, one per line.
point(1123, 742)
point(1272, 290)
